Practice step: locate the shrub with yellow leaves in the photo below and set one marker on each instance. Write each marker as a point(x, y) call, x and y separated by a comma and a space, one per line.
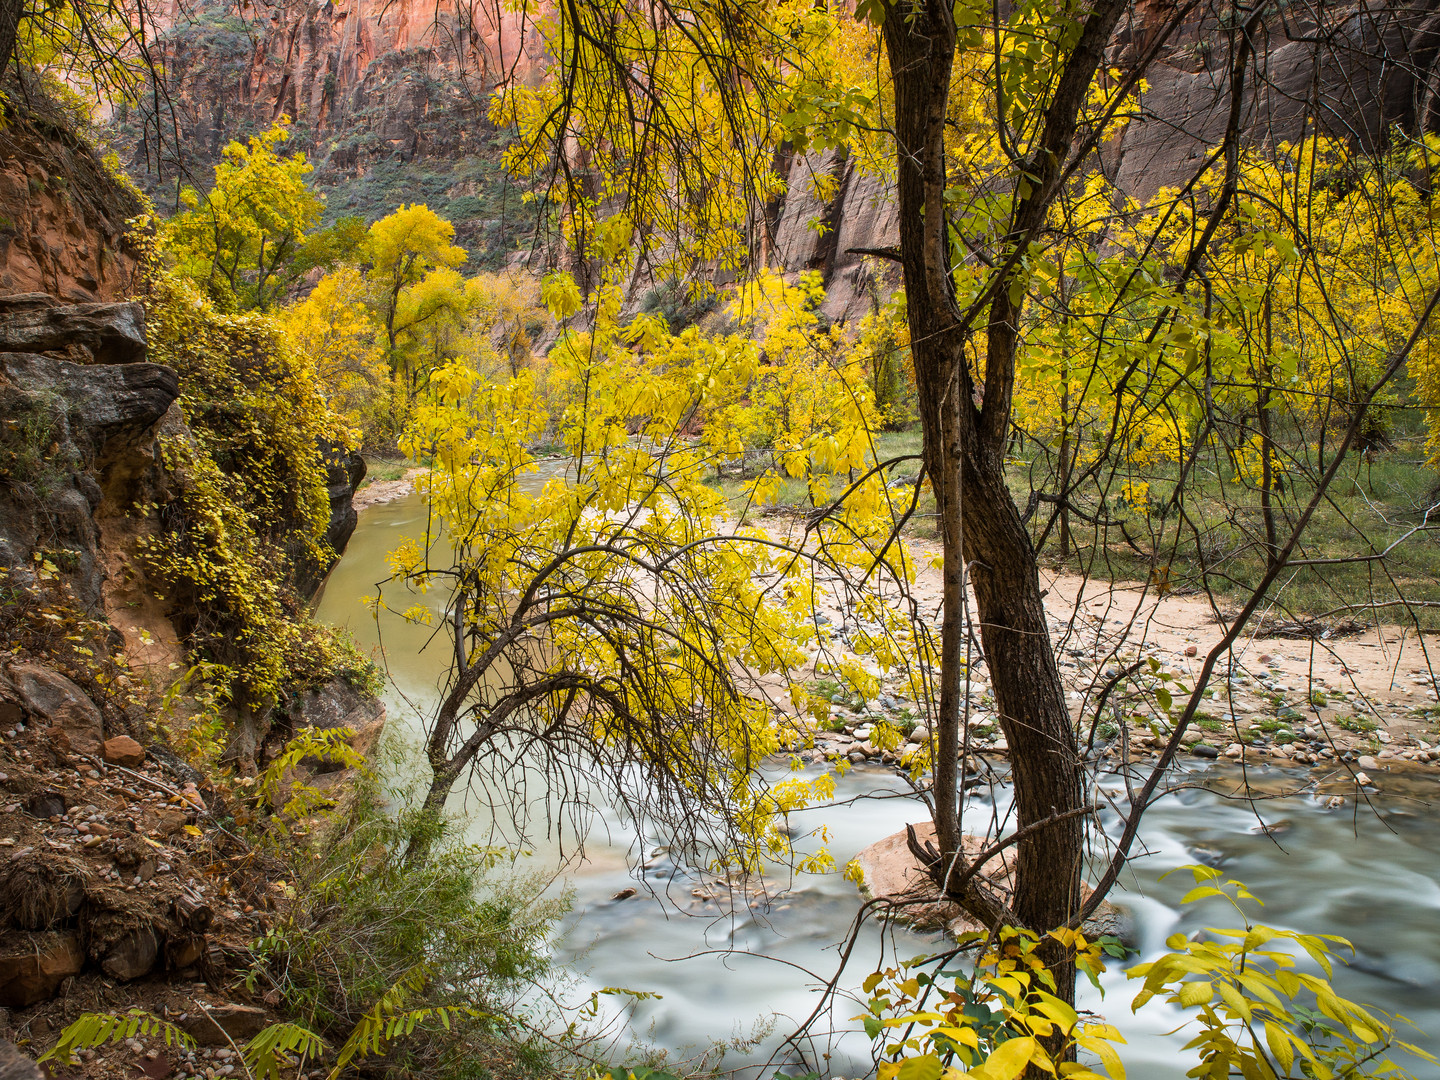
point(613, 631)
point(1255, 1012)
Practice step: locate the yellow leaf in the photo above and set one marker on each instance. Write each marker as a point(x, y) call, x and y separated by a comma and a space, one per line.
point(1279, 1040)
point(1195, 993)
point(926, 1067)
point(1010, 1058)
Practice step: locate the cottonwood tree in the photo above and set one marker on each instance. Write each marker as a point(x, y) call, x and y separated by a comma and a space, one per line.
point(610, 634)
point(1022, 264)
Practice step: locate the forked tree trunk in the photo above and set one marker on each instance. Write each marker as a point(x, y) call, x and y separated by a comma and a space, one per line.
point(964, 449)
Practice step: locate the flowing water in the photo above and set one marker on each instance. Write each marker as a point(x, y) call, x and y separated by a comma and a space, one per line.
point(722, 966)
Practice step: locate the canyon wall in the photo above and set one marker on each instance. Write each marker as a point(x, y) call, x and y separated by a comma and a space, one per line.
point(388, 98)
point(62, 212)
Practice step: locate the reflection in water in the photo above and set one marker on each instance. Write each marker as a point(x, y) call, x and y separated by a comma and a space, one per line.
point(1368, 874)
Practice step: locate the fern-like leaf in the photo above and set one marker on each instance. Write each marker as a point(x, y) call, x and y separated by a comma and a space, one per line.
point(389, 1019)
point(97, 1029)
point(266, 1053)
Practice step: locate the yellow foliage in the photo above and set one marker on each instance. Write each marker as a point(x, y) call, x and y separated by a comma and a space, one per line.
point(646, 596)
point(236, 530)
point(335, 328)
point(1240, 989)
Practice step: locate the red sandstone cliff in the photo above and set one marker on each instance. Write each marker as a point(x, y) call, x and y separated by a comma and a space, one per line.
point(62, 216)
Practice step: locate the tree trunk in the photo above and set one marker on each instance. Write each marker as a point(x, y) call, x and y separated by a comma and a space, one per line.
point(921, 54)
point(964, 449)
point(9, 30)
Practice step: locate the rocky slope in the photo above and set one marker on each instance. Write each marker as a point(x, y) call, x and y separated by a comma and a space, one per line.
point(123, 878)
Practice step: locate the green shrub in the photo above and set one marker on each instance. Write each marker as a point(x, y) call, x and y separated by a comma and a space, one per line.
point(360, 918)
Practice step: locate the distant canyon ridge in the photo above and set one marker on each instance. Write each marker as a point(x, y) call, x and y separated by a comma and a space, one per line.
point(388, 99)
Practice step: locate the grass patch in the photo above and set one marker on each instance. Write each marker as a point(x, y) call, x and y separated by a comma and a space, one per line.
point(379, 469)
point(1355, 724)
point(1371, 505)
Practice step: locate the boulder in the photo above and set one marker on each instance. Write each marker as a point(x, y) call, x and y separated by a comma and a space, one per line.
point(33, 965)
point(12, 707)
point(34, 323)
point(890, 871)
point(61, 704)
point(337, 704)
point(123, 750)
point(16, 1066)
point(334, 704)
point(211, 1025)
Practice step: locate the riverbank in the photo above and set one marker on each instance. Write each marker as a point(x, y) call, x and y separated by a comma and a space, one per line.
point(723, 959)
point(375, 492)
point(1358, 703)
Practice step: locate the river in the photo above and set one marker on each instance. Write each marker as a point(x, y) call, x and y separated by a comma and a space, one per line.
point(1369, 874)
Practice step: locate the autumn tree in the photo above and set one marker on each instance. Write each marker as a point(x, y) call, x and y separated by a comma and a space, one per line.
point(412, 258)
point(1021, 264)
point(611, 631)
point(252, 237)
point(335, 327)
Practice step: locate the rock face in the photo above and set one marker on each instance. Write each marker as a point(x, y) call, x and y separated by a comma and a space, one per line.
point(344, 470)
point(388, 99)
point(352, 72)
point(75, 436)
point(105, 333)
point(1365, 71)
point(860, 216)
point(62, 215)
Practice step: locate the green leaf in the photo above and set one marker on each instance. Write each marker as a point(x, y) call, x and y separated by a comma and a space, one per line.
point(925, 1067)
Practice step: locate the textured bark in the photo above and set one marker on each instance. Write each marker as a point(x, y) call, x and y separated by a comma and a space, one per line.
point(964, 450)
point(9, 27)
